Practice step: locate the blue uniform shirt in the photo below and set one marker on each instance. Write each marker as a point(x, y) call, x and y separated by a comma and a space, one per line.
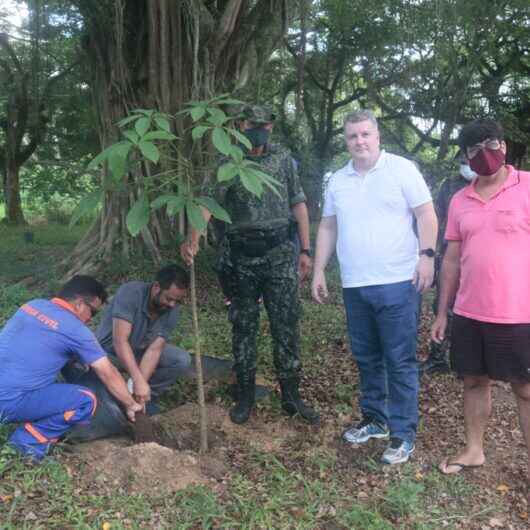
point(37, 341)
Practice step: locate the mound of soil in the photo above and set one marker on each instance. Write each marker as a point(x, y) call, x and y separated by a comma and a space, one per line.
point(164, 458)
point(148, 468)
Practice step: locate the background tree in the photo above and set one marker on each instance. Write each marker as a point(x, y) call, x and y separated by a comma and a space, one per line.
point(427, 67)
point(145, 54)
point(32, 66)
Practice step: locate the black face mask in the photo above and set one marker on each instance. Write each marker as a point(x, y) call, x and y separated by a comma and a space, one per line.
point(257, 136)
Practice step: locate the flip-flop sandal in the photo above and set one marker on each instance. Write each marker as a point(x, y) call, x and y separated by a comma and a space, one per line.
point(462, 467)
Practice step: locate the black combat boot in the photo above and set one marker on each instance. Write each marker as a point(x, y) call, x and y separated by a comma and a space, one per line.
point(292, 404)
point(246, 382)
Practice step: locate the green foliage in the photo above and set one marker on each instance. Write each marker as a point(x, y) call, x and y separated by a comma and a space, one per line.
point(147, 139)
point(11, 298)
point(221, 141)
point(194, 214)
point(87, 204)
point(138, 216)
point(214, 208)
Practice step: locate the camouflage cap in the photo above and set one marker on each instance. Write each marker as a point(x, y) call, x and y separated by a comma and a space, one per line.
point(258, 114)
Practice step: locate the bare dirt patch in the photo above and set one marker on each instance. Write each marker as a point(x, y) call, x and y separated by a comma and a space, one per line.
point(170, 461)
point(182, 423)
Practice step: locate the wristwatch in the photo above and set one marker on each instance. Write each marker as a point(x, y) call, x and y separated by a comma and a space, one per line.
point(307, 252)
point(429, 252)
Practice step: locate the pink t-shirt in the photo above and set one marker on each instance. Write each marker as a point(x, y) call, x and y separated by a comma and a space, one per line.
point(495, 251)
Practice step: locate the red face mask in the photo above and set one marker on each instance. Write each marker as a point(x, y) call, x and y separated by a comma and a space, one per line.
point(487, 161)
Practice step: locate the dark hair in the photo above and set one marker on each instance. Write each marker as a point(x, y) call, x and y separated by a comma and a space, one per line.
point(84, 286)
point(479, 130)
point(172, 274)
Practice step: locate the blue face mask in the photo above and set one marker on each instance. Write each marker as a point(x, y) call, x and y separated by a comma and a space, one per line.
point(257, 136)
point(467, 172)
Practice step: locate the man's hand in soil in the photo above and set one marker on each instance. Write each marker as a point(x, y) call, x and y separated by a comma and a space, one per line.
point(132, 409)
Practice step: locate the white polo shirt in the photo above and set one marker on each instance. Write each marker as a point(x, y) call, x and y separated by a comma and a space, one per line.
point(376, 243)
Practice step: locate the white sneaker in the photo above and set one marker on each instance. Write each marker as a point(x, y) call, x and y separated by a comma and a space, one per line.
point(398, 452)
point(365, 430)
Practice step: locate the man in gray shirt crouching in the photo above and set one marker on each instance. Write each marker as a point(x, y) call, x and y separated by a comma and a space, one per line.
point(136, 327)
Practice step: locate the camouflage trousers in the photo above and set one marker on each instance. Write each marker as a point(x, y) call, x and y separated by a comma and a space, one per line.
point(274, 278)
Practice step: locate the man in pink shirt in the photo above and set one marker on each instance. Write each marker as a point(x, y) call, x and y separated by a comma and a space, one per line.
point(486, 266)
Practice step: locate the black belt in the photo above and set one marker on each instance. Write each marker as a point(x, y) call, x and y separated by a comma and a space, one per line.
point(256, 243)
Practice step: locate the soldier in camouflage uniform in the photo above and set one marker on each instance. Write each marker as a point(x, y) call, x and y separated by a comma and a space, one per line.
point(257, 261)
point(438, 361)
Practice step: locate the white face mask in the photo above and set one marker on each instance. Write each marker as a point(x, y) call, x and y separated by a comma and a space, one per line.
point(467, 172)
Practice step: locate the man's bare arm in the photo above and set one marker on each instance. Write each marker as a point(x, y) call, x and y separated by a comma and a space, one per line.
point(121, 331)
point(449, 282)
point(427, 233)
point(151, 357)
point(325, 246)
point(302, 218)
point(450, 277)
point(115, 384)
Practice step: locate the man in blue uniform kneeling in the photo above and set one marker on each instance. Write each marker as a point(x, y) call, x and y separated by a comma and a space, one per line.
point(36, 342)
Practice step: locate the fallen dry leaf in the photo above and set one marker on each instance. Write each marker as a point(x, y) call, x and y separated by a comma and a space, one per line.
point(503, 488)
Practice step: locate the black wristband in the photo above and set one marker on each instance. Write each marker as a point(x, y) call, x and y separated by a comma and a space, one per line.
point(429, 252)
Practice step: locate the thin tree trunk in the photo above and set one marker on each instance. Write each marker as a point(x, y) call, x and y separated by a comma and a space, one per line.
point(301, 60)
point(203, 413)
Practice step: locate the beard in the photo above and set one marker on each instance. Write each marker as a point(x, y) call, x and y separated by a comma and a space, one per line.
point(157, 305)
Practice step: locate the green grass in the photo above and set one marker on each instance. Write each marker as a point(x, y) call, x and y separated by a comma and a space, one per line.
point(267, 494)
point(50, 244)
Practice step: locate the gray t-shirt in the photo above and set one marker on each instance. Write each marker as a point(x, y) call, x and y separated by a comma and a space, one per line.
point(130, 303)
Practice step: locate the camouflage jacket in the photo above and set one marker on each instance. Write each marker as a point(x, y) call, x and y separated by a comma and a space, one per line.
point(249, 212)
point(448, 188)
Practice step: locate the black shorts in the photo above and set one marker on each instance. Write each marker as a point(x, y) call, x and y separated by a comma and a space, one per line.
point(499, 351)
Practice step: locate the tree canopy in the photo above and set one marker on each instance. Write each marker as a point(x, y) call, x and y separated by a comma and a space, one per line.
point(75, 68)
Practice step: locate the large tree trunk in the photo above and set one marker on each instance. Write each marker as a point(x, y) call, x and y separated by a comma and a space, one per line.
point(160, 54)
point(13, 213)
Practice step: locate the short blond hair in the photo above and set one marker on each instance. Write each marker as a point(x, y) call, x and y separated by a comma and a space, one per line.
point(360, 115)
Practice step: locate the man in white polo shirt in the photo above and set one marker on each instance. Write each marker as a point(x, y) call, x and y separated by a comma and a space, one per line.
point(368, 216)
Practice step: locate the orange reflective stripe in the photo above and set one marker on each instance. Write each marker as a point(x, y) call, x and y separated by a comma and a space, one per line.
point(94, 399)
point(68, 414)
point(64, 304)
point(36, 434)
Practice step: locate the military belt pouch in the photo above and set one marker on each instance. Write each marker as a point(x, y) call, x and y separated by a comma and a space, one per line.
point(256, 243)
